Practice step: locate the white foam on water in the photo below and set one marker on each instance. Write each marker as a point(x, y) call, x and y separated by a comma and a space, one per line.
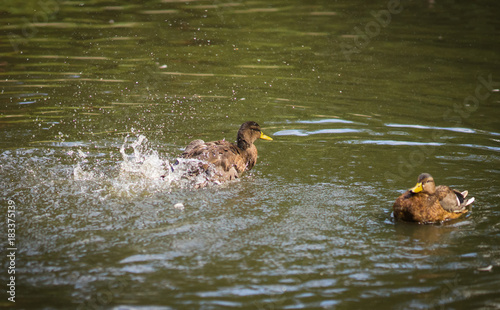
point(143, 171)
point(143, 163)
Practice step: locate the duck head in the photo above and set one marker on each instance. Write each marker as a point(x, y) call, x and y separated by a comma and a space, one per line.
point(248, 133)
point(425, 183)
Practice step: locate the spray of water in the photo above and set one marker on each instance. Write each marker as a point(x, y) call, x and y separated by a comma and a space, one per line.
point(142, 169)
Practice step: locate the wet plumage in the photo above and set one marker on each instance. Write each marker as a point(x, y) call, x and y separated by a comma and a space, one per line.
point(229, 159)
point(426, 203)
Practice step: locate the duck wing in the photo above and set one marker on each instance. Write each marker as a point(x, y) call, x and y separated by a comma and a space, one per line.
point(224, 155)
point(192, 146)
point(452, 200)
point(421, 208)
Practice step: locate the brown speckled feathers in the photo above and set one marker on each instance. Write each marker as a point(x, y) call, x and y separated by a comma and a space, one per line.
point(230, 159)
point(426, 203)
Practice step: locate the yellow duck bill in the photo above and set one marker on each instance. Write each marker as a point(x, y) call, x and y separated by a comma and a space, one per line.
point(264, 137)
point(417, 189)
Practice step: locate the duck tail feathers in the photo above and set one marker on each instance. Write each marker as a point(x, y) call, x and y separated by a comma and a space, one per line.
point(470, 201)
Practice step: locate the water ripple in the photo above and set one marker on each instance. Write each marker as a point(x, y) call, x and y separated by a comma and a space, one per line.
point(393, 142)
point(482, 147)
point(454, 129)
point(328, 120)
point(301, 133)
point(413, 143)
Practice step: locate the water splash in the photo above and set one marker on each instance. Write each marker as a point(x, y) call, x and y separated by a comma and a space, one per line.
point(142, 171)
point(143, 163)
point(193, 173)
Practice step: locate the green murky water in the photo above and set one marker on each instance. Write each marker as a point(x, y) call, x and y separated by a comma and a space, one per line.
point(98, 97)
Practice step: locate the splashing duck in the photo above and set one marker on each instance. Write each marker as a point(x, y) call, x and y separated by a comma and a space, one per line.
point(230, 159)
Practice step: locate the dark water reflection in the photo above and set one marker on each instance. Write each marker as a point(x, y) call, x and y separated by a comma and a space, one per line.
point(97, 98)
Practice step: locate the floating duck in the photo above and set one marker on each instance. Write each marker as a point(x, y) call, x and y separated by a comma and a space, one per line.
point(426, 203)
point(229, 159)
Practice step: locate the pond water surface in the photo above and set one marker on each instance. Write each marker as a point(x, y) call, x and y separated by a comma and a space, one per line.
point(99, 97)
